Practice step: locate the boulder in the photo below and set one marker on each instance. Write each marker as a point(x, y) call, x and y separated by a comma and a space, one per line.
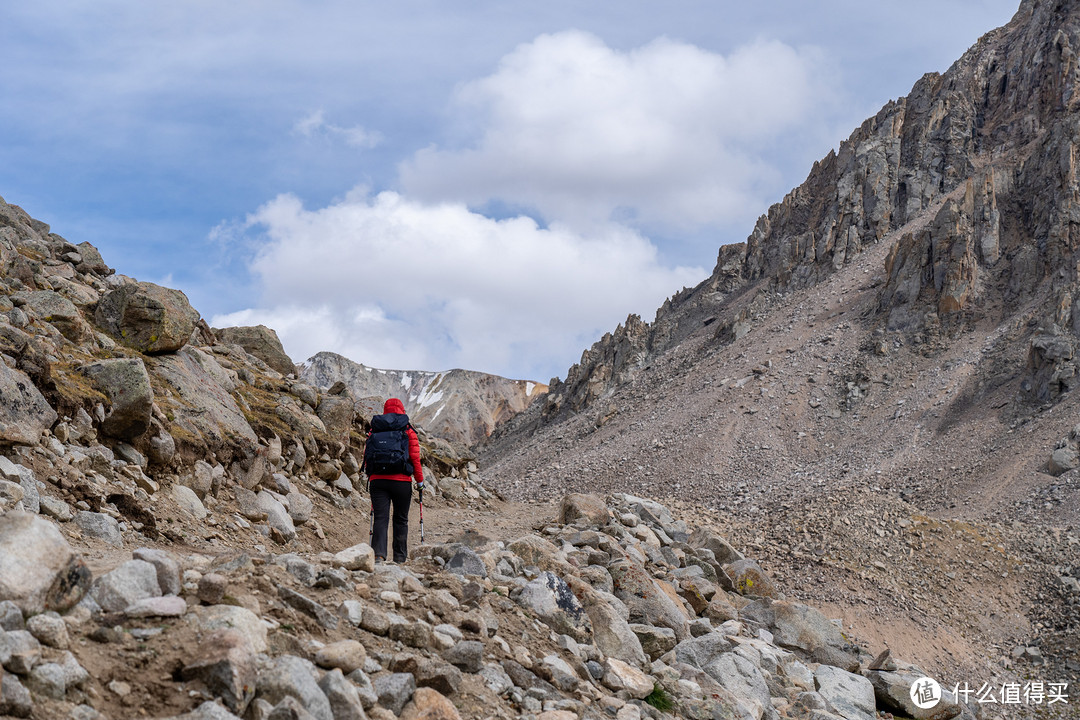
point(655, 641)
point(27, 482)
point(277, 517)
point(851, 695)
point(583, 508)
point(55, 309)
point(743, 680)
point(466, 562)
point(188, 501)
point(551, 600)
point(289, 676)
point(892, 692)
point(225, 664)
point(345, 701)
point(240, 619)
point(128, 583)
point(705, 538)
point(1063, 460)
point(647, 601)
point(337, 413)
point(429, 704)
point(125, 382)
point(197, 404)
point(166, 565)
point(147, 317)
point(101, 526)
point(621, 676)
point(38, 569)
point(394, 690)
point(357, 557)
point(25, 413)
point(612, 634)
point(348, 655)
point(260, 341)
point(750, 579)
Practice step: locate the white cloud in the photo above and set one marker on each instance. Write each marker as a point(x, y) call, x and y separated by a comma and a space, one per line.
point(393, 282)
point(314, 125)
point(667, 133)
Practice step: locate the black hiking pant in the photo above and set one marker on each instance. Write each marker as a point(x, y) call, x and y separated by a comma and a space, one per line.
point(383, 494)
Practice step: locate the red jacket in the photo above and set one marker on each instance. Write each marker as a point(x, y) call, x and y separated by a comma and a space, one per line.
point(393, 405)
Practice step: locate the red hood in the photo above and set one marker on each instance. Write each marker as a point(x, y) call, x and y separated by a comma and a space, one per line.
point(393, 405)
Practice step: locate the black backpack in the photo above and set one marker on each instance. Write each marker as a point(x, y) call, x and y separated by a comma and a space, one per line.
point(387, 449)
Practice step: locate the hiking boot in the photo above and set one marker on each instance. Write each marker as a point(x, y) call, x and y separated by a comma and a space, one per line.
point(379, 560)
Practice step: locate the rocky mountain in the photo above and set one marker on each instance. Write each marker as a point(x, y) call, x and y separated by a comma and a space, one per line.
point(181, 535)
point(461, 406)
point(896, 339)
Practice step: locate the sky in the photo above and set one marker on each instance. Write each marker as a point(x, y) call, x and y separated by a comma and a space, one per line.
point(426, 185)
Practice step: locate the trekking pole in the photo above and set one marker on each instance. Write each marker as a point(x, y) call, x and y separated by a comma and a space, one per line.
point(371, 517)
point(421, 516)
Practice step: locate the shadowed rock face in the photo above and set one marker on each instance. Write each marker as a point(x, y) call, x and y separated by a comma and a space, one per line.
point(459, 405)
point(260, 341)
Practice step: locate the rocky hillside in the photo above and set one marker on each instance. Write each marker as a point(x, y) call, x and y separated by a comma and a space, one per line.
point(895, 343)
point(461, 406)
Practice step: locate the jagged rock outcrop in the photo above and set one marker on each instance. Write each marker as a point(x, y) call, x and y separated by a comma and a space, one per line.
point(462, 406)
point(260, 341)
point(987, 149)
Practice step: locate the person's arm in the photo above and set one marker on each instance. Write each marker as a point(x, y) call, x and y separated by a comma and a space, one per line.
point(414, 455)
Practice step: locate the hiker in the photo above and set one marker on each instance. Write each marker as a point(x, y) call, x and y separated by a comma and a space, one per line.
point(391, 455)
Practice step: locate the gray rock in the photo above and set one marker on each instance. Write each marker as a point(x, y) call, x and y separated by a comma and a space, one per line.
point(309, 607)
point(551, 600)
point(1063, 459)
point(261, 342)
point(851, 695)
point(241, 619)
point(750, 579)
point(128, 583)
point(700, 652)
point(590, 510)
point(394, 690)
point(38, 570)
point(200, 479)
point(892, 693)
point(466, 654)
point(15, 699)
point(364, 687)
point(25, 413)
point(466, 562)
point(188, 501)
point(48, 680)
point(742, 679)
point(167, 567)
point(162, 449)
point(276, 516)
point(50, 629)
point(646, 600)
point(337, 413)
point(496, 679)
point(357, 557)
point(655, 641)
point(19, 651)
point(352, 611)
point(164, 606)
point(24, 476)
point(125, 382)
point(289, 676)
point(414, 634)
point(375, 620)
point(11, 494)
point(101, 526)
point(301, 569)
point(209, 413)
point(705, 538)
point(611, 633)
point(55, 508)
point(300, 507)
point(11, 617)
point(147, 317)
point(344, 698)
point(225, 664)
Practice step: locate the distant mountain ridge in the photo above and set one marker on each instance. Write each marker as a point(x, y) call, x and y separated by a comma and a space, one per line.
point(457, 405)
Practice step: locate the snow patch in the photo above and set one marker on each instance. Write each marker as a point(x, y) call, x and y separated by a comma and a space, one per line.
point(529, 388)
point(437, 411)
point(406, 381)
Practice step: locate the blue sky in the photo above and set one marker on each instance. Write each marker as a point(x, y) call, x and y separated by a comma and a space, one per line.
point(427, 185)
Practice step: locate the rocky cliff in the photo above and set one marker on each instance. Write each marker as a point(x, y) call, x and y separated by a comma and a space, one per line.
point(981, 163)
point(461, 406)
